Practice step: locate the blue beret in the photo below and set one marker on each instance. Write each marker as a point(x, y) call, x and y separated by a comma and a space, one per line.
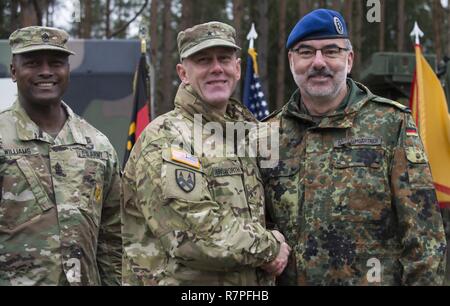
point(319, 24)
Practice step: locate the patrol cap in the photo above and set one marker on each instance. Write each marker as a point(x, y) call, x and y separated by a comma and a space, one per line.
point(206, 35)
point(319, 24)
point(36, 38)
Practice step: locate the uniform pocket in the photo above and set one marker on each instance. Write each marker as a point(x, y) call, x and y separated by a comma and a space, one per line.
point(360, 193)
point(92, 189)
point(23, 198)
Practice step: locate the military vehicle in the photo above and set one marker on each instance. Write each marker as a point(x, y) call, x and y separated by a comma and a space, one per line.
point(100, 88)
point(390, 74)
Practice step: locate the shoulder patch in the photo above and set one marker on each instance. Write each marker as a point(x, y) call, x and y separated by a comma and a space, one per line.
point(185, 158)
point(398, 105)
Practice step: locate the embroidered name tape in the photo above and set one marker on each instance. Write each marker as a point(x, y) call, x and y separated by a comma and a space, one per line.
point(358, 142)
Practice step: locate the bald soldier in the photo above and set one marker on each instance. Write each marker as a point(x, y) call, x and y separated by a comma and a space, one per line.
point(59, 177)
point(192, 217)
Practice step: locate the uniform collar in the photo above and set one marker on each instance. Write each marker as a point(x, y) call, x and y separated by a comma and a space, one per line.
point(190, 104)
point(28, 130)
point(357, 96)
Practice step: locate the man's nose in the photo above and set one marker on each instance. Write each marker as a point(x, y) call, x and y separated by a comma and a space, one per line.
point(45, 69)
point(216, 66)
point(319, 60)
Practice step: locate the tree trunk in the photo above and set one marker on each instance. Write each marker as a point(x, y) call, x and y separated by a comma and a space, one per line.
point(238, 12)
point(401, 25)
point(108, 18)
point(437, 22)
point(357, 38)
point(167, 65)
point(448, 26)
point(336, 5)
point(154, 30)
point(28, 15)
point(304, 8)
point(263, 44)
point(14, 22)
point(87, 19)
point(382, 28)
point(348, 16)
point(187, 19)
point(281, 53)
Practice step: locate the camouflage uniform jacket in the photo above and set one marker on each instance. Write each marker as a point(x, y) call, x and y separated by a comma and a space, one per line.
point(59, 204)
point(355, 186)
point(190, 218)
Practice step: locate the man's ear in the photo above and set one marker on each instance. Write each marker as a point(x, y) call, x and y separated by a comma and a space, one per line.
point(351, 57)
point(12, 70)
point(182, 73)
point(238, 69)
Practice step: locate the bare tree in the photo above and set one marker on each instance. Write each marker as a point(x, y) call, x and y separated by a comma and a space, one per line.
point(154, 28)
point(448, 25)
point(262, 27)
point(335, 5)
point(86, 24)
point(401, 25)
point(304, 7)
point(281, 54)
point(358, 37)
point(29, 13)
point(187, 18)
point(348, 16)
point(437, 28)
point(238, 13)
point(14, 22)
point(167, 64)
point(108, 12)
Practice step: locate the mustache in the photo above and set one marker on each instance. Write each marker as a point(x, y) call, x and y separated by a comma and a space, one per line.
point(322, 72)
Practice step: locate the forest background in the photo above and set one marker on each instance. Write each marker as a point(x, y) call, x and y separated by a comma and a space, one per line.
point(374, 25)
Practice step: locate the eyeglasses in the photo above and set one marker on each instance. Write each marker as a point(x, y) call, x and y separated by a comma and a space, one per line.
point(307, 52)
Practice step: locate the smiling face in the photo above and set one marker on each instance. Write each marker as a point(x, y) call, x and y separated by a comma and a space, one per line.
point(213, 73)
point(42, 76)
point(321, 78)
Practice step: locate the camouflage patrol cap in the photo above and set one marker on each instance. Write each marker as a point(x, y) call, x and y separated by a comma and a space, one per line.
point(205, 35)
point(37, 38)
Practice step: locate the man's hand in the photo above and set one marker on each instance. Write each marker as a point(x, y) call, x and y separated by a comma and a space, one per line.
point(276, 266)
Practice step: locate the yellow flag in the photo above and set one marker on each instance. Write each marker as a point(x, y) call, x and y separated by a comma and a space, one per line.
point(430, 111)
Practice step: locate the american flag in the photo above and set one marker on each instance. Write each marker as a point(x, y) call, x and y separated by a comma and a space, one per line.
point(254, 97)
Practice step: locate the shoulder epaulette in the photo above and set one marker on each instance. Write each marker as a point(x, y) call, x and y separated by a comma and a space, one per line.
point(398, 105)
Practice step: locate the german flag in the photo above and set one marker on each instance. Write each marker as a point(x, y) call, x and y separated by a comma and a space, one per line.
point(141, 105)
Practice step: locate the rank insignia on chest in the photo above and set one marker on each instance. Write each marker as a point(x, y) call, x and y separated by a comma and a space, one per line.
point(185, 179)
point(185, 158)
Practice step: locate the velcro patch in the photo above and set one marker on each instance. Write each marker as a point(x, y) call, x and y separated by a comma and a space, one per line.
point(185, 158)
point(82, 153)
point(226, 171)
point(358, 142)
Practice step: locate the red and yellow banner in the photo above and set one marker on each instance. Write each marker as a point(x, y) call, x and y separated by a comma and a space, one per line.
point(429, 108)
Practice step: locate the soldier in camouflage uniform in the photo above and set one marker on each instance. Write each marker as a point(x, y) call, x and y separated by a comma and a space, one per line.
point(352, 191)
point(59, 177)
point(193, 218)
